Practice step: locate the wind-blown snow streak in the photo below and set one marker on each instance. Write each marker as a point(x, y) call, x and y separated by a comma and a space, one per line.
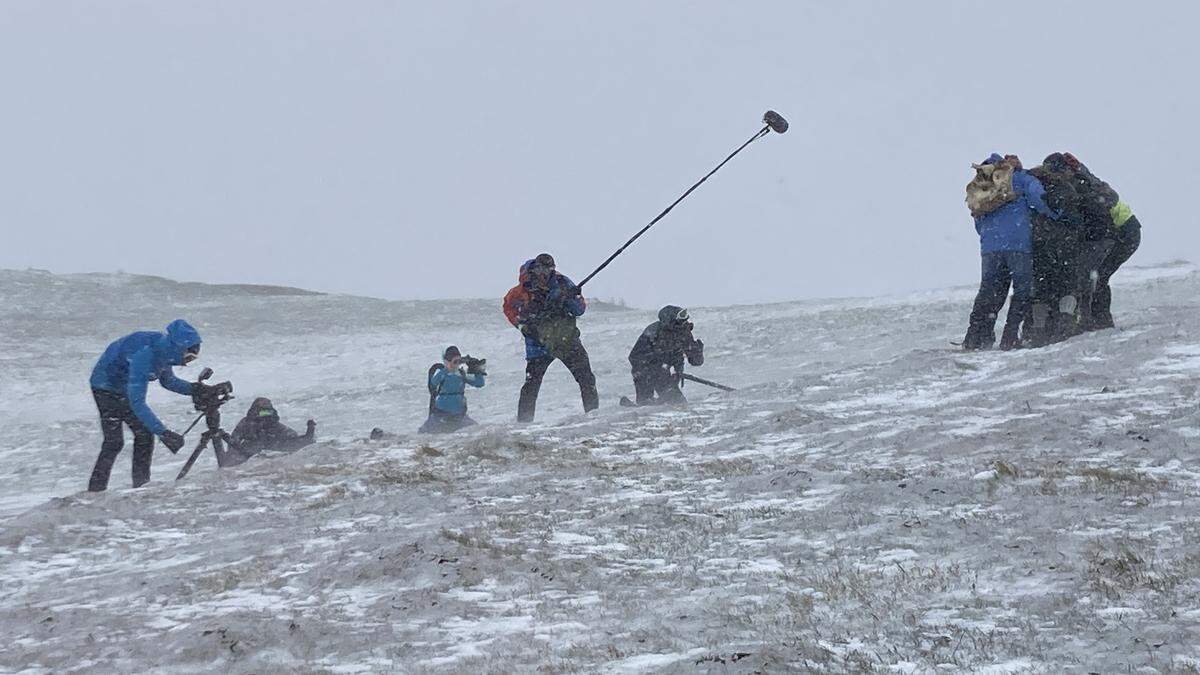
point(869, 501)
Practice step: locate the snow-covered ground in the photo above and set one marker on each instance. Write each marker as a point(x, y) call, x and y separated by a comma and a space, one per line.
point(869, 500)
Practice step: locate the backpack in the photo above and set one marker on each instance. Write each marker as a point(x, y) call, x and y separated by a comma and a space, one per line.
point(991, 188)
point(433, 391)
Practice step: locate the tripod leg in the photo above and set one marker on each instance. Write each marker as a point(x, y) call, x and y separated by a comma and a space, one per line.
point(195, 455)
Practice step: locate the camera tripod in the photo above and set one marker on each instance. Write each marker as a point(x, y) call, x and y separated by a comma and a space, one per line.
point(210, 410)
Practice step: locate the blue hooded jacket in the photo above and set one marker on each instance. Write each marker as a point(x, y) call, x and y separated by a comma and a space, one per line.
point(451, 389)
point(132, 362)
point(1008, 228)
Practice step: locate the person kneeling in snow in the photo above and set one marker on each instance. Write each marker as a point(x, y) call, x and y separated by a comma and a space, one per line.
point(448, 393)
point(261, 430)
point(657, 357)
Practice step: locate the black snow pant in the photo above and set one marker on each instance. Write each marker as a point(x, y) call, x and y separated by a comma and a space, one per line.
point(114, 413)
point(575, 358)
point(1051, 317)
point(1122, 249)
point(1092, 255)
point(999, 270)
point(656, 380)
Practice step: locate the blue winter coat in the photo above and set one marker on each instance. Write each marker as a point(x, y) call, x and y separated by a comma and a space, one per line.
point(451, 388)
point(1008, 228)
point(135, 360)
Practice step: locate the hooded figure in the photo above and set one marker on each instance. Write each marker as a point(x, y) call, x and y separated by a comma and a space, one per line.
point(543, 306)
point(261, 430)
point(1097, 200)
point(657, 357)
point(1005, 246)
point(1056, 247)
point(119, 381)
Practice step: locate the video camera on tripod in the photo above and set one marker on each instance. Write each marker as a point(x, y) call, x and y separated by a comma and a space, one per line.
point(208, 399)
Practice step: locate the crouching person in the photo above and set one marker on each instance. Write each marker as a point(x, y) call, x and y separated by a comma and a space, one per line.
point(657, 357)
point(261, 430)
point(448, 392)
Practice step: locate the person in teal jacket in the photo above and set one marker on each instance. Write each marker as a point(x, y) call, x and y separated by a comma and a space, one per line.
point(119, 382)
point(448, 392)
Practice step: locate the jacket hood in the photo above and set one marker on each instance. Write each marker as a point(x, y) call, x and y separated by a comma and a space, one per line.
point(180, 336)
point(260, 404)
point(667, 314)
point(995, 157)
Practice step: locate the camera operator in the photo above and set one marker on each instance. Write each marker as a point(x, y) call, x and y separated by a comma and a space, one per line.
point(119, 382)
point(261, 430)
point(658, 355)
point(447, 391)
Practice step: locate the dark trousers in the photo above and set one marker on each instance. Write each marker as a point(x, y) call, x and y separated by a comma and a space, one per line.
point(1122, 250)
point(1000, 270)
point(442, 422)
point(1055, 257)
point(652, 380)
point(575, 358)
point(1092, 255)
point(114, 413)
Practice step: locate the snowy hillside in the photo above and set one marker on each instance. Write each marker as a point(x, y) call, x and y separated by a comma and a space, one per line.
point(868, 501)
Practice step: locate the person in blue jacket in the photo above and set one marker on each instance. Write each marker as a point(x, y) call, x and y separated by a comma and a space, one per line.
point(544, 306)
point(119, 383)
point(448, 389)
point(1006, 250)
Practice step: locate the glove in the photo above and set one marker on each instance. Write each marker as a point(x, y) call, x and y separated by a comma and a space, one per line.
point(172, 440)
point(570, 290)
point(312, 429)
point(528, 330)
point(462, 371)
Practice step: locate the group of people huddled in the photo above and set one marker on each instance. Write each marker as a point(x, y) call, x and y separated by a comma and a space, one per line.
point(1056, 233)
point(543, 306)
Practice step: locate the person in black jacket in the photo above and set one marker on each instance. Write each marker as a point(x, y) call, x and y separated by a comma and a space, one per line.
point(1096, 202)
point(261, 430)
point(657, 357)
point(1056, 246)
point(1126, 233)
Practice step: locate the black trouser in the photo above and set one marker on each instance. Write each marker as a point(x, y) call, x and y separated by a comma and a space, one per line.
point(656, 379)
point(1092, 255)
point(575, 358)
point(1055, 257)
point(115, 412)
point(1122, 250)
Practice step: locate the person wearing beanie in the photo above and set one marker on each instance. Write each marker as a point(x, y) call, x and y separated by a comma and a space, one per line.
point(447, 382)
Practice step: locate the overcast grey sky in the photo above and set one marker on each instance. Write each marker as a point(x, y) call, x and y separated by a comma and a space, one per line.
point(424, 149)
